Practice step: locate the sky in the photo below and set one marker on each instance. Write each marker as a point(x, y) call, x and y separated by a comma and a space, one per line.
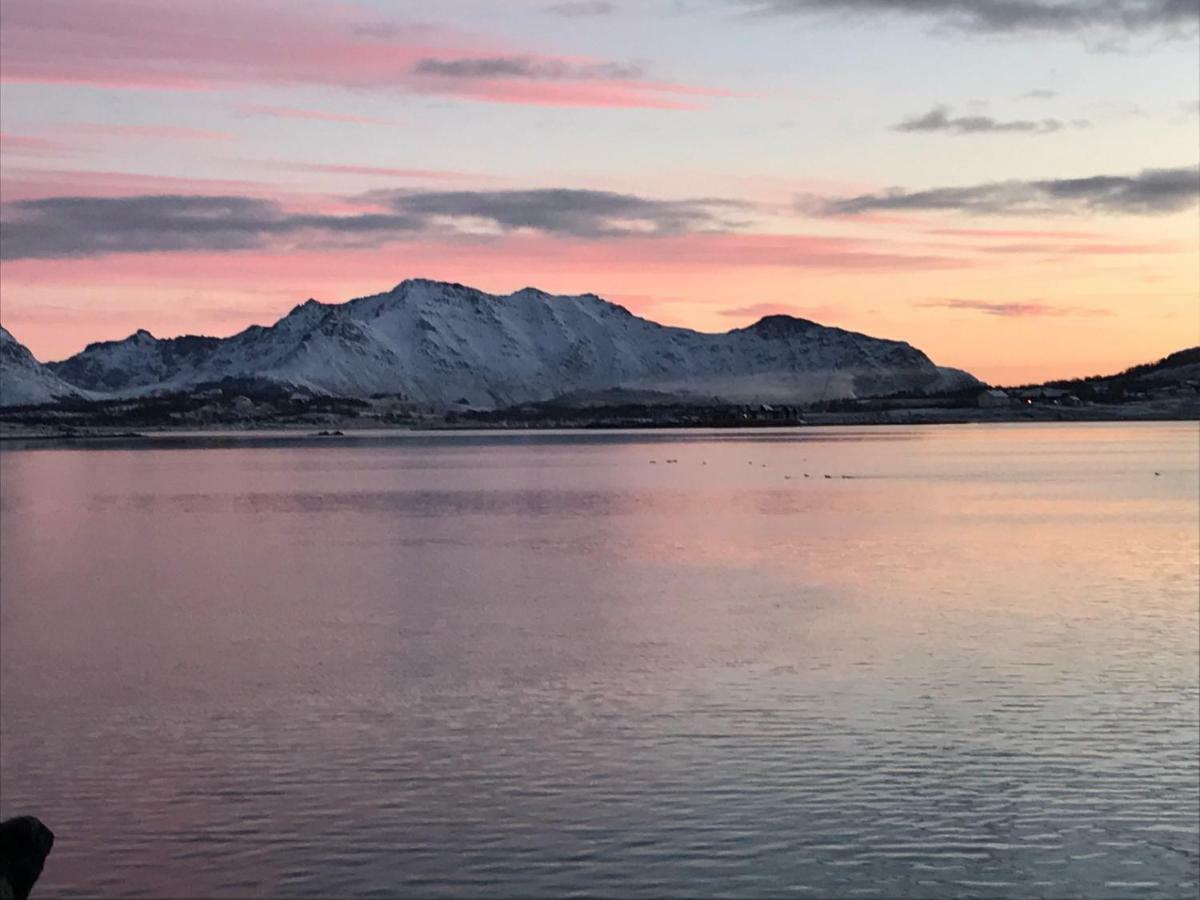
point(1009, 185)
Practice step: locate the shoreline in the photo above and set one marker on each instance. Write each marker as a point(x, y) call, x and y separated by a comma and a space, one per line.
point(356, 428)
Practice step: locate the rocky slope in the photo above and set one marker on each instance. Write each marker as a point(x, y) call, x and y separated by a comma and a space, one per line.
point(24, 381)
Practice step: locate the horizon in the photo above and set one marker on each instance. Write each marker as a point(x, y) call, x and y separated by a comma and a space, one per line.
point(703, 166)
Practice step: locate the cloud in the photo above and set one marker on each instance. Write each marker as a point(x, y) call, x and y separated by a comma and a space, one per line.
point(939, 119)
point(293, 112)
point(565, 211)
point(151, 132)
point(30, 145)
point(758, 310)
point(27, 183)
point(1006, 233)
point(1150, 192)
point(554, 230)
point(526, 67)
point(1039, 94)
point(580, 9)
point(375, 171)
point(1173, 17)
point(1018, 309)
point(56, 227)
point(65, 227)
point(149, 44)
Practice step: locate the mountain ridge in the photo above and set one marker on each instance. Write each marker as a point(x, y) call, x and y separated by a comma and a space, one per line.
point(443, 342)
point(26, 382)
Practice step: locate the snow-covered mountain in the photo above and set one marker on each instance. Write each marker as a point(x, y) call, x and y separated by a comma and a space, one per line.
point(443, 343)
point(23, 380)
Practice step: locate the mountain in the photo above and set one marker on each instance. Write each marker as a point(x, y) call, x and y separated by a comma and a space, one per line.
point(1180, 371)
point(442, 343)
point(1180, 367)
point(140, 360)
point(26, 382)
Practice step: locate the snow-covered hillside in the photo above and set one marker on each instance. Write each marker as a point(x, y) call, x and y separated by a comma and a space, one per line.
point(23, 380)
point(443, 343)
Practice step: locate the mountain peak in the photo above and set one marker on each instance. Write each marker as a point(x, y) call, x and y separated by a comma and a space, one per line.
point(780, 325)
point(409, 283)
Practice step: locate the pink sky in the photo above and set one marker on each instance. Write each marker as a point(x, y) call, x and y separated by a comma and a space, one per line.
point(199, 169)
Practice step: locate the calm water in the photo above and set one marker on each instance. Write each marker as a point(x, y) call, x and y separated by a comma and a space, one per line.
point(549, 664)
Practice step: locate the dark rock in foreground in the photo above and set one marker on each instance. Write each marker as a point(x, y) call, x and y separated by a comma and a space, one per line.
point(24, 845)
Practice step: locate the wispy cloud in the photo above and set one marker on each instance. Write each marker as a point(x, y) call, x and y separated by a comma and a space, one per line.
point(1171, 17)
point(151, 132)
point(167, 46)
point(526, 68)
point(939, 119)
point(32, 145)
point(293, 112)
point(1150, 192)
point(21, 183)
point(375, 171)
point(1007, 233)
point(1015, 309)
point(758, 310)
point(580, 9)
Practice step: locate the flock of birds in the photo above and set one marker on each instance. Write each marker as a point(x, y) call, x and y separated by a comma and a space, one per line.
point(750, 462)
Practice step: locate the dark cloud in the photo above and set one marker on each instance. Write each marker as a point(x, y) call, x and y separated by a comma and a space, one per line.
point(940, 119)
point(577, 213)
point(1018, 309)
point(93, 226)
point(580, 9)
point(1150, 192)
point(1011, 16)
point(526, 68)
point(60, 227)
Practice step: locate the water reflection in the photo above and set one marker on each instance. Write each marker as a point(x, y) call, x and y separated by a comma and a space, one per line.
point(543, 664)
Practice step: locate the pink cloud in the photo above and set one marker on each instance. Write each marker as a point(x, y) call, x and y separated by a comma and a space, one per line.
point(1015, 309)
point(192, 46)
point(292, 112)
point(615, 95)
point(873, 219)
point(1081, 249)
point(28, 145)
point(769, 250)
point(1005, 233)
point(380, 171)
point(756, 311)
point(524, 256)
point(30, 184)
point(152, 132)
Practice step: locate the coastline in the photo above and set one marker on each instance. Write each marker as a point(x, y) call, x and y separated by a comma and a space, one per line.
point(48, 432)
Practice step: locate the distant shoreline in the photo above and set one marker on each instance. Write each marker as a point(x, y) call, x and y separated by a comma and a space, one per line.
point(351, 428)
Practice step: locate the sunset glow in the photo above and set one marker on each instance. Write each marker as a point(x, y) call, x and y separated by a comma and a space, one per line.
point(196, 168)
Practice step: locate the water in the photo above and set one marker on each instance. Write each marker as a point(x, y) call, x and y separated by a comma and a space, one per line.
point(549, 664)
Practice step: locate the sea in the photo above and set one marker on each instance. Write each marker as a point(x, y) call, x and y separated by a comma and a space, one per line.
point(950, 660)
